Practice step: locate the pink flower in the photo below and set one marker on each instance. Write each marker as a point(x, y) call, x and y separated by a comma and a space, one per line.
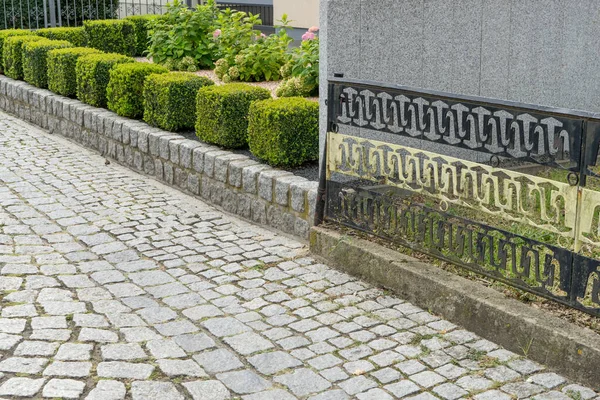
point(314, 29)
point(308, 36)
point(216, 33)
point(262, 35)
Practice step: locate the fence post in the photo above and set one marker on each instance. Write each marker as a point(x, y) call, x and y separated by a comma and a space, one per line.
point(52, 10)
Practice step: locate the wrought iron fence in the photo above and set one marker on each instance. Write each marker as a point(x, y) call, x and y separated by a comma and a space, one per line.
point(507, 190)
point(36, 14)
point(264, 10)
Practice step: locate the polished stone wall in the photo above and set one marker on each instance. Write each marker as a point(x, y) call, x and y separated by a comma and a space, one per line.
point(544, 52)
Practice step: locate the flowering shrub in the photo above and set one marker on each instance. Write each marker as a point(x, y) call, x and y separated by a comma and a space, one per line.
point(261, 60)
point(235, 32)
point(302, 71)
point(181, 33)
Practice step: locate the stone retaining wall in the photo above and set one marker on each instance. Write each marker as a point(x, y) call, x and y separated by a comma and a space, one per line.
point(231, 181)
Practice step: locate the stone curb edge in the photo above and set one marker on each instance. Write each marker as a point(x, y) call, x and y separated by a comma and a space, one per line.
point(234, 182)
point(564, 347)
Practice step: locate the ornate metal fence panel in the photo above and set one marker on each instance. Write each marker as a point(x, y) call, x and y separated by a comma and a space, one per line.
point(36, 14)
point(507, 190)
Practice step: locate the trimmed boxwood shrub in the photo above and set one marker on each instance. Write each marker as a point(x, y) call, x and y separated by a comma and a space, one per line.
point(35, 56)
point(125, 89)
point(222, 113)
point(93, 73)
point(74, 35)
point(12, 54)
point(111, 36)
point(141, 31)
point(169, 99)
point(284, 132)
point(61, 69)
point(6, 34)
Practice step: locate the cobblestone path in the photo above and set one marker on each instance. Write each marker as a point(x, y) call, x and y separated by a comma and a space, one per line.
point(116, 287)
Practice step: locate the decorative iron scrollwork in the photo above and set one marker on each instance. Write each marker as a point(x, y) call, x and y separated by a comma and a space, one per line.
point(540, 233)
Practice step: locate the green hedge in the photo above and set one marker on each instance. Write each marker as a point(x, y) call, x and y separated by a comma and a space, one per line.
point(222, 113)
point(74, 35)
point(12, 54)
point(169, 99)
point(125, 89)
point(93, 73)
point(35, 56)
point(111, 36)
point(61, 69)
point(6, 34)
point(141, 31)
point(284, 132)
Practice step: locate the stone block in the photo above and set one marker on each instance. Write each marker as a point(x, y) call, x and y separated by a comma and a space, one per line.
point(250, 177)
point(229, 200)
point(298, 193)
point(234, 173)
point(164, 144)
point(221, 165)
point(193, 184)
point(208, 168)
point(154, 142)
point(186, 149)
point(266, 182)
point(244, 207)
point(168, 172)
point(282, 188)
point(158, 169)
point(258, 211)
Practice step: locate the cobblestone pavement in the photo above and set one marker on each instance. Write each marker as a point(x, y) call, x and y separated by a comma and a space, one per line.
point(116, 287)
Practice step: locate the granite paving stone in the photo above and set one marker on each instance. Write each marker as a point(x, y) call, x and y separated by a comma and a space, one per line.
point(117, 287)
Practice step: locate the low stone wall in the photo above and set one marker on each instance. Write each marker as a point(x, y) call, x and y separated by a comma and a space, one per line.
point(231, 181)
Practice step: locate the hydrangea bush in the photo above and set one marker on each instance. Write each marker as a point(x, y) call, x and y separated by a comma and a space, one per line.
point(301, 73)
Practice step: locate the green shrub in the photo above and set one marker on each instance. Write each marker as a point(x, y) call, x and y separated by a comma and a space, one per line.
point(222, 113)
point(61, 69)
point(181, 32)
point(262, 60)
point(302, 71)
point(169, 99)
point(6, 34)
point(93, 73)
point(125, 89)
point(111, 36)
point(295, 87)
point(142, 36)
point(284, 132)
point(74, 35)
point(35, 56)
point(12, 54)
